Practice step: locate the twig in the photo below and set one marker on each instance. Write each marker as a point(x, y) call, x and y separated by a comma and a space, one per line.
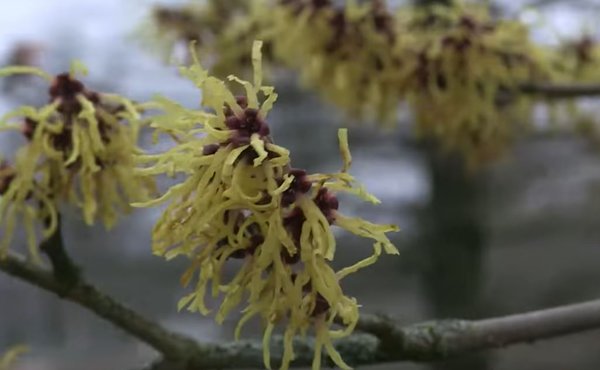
point(384, 340)
point(169, 344)
point(447, 338)
point(587, 4)
point(63, 268)
point(358, 349)
point(179, 350)
point(557, 91)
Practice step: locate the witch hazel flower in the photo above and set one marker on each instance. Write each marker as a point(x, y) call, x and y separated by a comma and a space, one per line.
point(240, 199)
point(79, 150)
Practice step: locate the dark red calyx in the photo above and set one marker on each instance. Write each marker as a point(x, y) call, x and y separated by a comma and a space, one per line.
point(321, 306)
point(339, 25)
point(210, 149)
point(293, 223)
point(290, 259)
point(255, 242)
point(321, 3)
point(300, 185)
point(66, 87)
point(583, 48)
point(242, 101)
point(313, 5)
point(28, 128)
point(327, 203)
point(250, 249)
point(246, 124)
point(63, 141)
point(172, 16)
point(468, 22)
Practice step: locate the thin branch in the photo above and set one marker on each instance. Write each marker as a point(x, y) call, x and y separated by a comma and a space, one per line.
point(434, 340)
point(447, 338)
point(358, 349)
point(63, 268)
point(586, 4)
point(88, 296)
point(557, 91)
point(384, 339)
point(178, 349)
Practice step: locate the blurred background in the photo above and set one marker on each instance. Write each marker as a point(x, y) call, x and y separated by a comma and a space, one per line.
point(521, 234)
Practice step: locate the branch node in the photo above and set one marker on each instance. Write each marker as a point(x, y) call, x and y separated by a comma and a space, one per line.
point(63, 268)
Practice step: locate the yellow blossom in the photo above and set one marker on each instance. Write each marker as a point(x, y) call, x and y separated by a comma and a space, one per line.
point(221, 30)
point(343, 52)
point(241, 199)
point(8, 359)
point(458, 68)
point(579, 59)
point(462, 73)
point(576, 60)
point(79, 150)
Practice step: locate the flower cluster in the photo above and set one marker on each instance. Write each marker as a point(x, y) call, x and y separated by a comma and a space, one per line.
point(464, 69)
point(578, 59)
point(348, 48)
point(241, 199)
point(79, 149)
point(344, 52)
point(456, 66)
point(221, 31)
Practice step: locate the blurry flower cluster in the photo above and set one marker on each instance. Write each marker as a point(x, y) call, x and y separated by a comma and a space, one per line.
point(8, 359)
point(344, 52)
point(457, 66)
point(221, 31)
point(464, 72)
point(79, 150)
point(577, 60)
point(241, 199)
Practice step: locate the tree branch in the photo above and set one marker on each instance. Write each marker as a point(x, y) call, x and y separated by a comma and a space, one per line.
point(86, 295)
point(558, 91)
point(63, 268)
point(384, 339)
point(358, 349)
point(179, 350)
point(447, 338)
point(588, 4)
